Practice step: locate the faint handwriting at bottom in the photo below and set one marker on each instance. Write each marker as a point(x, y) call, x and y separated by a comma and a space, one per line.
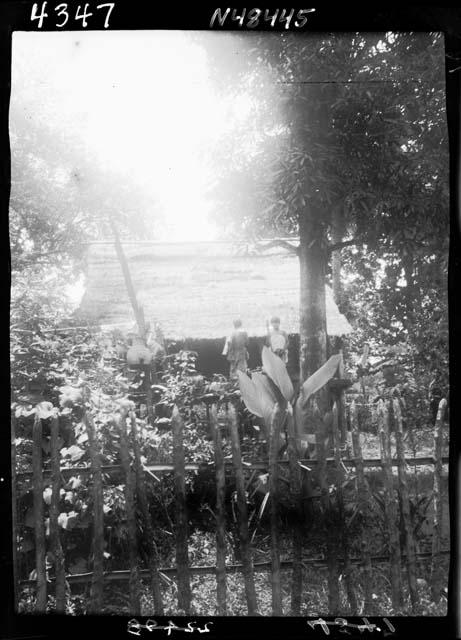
point(135, 627)
point(344, 624)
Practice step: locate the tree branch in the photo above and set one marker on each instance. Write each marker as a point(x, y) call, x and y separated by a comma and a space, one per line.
point(279, 243)
point(341, 245)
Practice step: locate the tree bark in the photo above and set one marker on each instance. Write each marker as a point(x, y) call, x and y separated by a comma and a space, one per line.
point(313, 325)
point(337, 234)
point(137, 309)
point(409, 291)
point(313, 224)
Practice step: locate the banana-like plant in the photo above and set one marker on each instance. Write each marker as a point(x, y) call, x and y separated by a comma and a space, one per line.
point(263, 391)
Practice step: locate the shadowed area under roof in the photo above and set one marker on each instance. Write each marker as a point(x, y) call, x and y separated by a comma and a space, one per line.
point(195, 290)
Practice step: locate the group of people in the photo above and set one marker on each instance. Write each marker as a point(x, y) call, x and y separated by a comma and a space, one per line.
point(236, 345)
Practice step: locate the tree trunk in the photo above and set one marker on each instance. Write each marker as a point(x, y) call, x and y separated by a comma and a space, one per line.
point(313, 325)
point(137, 309)
point(312, 311)
point(313, 226)
point(337, 234)
point(409, 291)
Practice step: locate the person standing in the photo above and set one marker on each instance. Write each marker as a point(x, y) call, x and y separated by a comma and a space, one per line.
point(235, 349)
point(277, 339)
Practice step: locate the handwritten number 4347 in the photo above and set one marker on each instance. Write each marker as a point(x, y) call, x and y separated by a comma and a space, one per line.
point(63, 16)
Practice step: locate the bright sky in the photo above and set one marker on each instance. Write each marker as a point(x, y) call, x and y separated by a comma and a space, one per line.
point(143, 102)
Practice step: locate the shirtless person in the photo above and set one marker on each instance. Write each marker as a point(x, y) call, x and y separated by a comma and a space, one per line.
point(235, 349)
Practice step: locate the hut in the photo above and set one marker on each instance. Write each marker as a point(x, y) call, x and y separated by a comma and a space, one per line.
point(194, 290)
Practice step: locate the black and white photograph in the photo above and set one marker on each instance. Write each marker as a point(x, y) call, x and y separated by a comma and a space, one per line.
point(229, 361)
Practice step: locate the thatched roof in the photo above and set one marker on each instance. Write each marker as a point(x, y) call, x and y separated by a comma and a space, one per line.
point(195, 290)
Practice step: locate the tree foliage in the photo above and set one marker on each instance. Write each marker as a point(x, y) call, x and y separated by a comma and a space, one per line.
point(347, 130)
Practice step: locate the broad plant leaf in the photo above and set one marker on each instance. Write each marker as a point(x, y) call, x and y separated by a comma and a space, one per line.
point(319, 379)
point(277, 372)
point(262, 484)
point(45, 410)
point(62, 520)
point(75, 482)
point(72, 518)
point(263, 383)
point(263, 506)
point(250, 394)
point(73, 451)
point(267, 398)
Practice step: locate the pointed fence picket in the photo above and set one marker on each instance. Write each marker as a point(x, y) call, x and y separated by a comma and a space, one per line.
point(335, 486)
point(390, 505)
point(297, 493)
point(97, 583)
point(363, 506)
point(56, 546)
point(436, 566)
point(130, 487)
point(221, 579)
point(245, 546)
point(407, 524)
point(39, 521)
point(277, 418)
point(182, 555)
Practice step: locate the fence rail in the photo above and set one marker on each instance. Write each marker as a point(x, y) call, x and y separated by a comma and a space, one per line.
point(257, 465)
point(258, 567)
point(337, 560)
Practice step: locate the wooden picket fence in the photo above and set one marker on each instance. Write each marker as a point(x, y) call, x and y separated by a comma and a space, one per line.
point(342, 452)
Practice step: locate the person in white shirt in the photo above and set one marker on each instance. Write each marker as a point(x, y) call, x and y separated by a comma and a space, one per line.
point(277, 339)
point(235, 349)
